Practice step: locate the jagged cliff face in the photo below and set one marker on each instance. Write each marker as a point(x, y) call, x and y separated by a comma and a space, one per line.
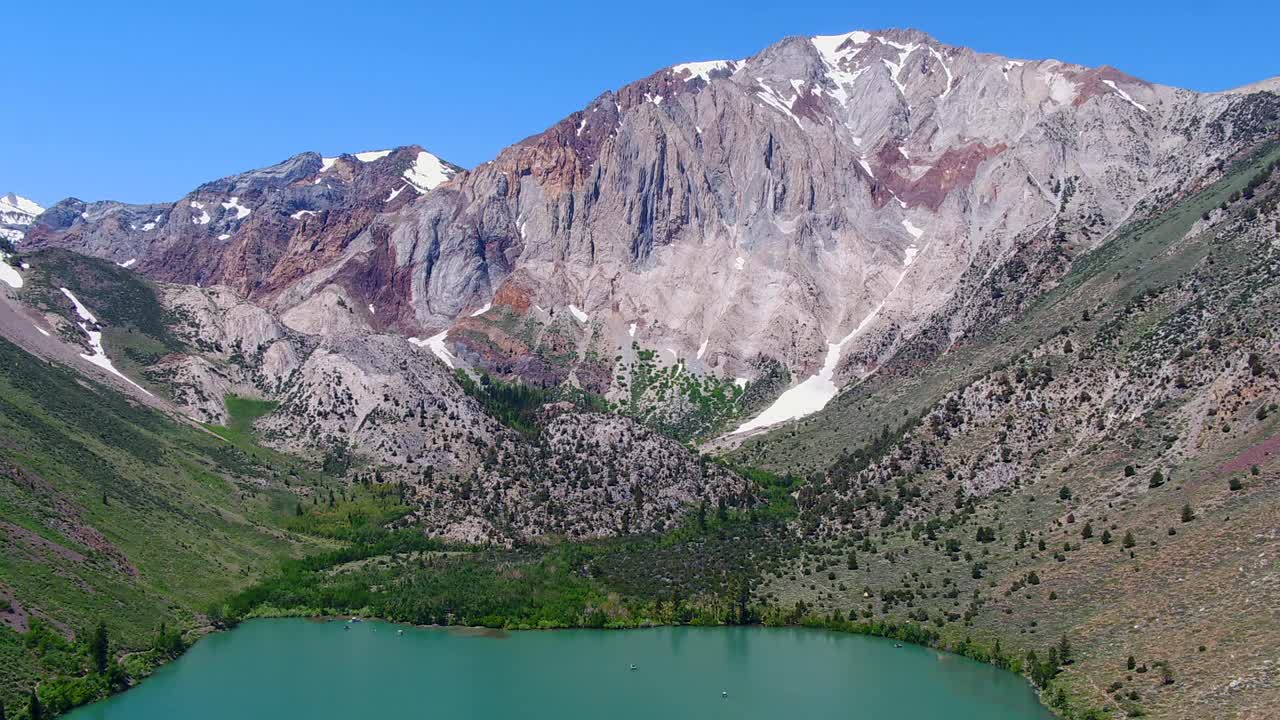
point(819, 204)
point(816, 203)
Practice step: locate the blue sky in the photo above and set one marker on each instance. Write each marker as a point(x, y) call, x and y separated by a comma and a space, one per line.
point(143, 102)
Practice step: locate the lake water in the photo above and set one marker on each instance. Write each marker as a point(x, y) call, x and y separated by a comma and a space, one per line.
point(282, 669)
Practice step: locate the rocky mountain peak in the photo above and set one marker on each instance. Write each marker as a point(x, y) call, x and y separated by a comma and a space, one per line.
point(17, 212)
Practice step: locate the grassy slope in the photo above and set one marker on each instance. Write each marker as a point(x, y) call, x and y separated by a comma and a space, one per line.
point(193, 514)
point(137, 327)
point(1195, 598)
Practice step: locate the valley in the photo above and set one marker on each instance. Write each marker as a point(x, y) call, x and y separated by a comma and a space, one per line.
point(863, 333)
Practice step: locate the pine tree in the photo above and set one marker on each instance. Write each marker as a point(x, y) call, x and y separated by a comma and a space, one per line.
point(1087, 532)
point(1187, 513)
point(1133, 663)
point(1157, 479)
point(1064, 650)
point(100, 648)
point(34, 710)
point(1106, 537)
point(1129, 540)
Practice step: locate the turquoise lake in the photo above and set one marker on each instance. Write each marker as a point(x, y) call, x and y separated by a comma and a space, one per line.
point(281, 669)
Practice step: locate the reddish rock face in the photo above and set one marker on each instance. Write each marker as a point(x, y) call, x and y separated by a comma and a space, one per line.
point(513, 296)
point(1091, 83)
point(954, 170)
point(258, 232)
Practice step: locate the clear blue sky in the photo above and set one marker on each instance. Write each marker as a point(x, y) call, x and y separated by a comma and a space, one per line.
point(141, 102)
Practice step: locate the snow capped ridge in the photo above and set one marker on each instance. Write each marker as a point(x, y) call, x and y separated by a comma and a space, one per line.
point(829, 46)
point(427, 172)
point(17, 210)
point(20, 206)
point(371, 155)
point(704, 69)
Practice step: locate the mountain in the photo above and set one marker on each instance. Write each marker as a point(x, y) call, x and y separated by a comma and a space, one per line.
point(806, 212)
point(255, 232)
point(16, 212)
point(863, 331)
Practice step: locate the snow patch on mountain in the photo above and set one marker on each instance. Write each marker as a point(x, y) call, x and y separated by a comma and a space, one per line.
point(436, 345)
point(828, 46)
point(950, 80)
point(99, 356)
point(581, 316)
point(203, 217)
point(772, 99)
point(427, 172)
point(8, 274)
point(1124, 95)
point(703, 69)
point(895, 68)
point(371, 155)
point(814, 393)
point(233, 203)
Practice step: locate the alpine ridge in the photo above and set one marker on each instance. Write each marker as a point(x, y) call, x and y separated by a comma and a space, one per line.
point(811, 208)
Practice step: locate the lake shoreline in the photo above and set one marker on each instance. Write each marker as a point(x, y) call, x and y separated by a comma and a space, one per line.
point(207, 631)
